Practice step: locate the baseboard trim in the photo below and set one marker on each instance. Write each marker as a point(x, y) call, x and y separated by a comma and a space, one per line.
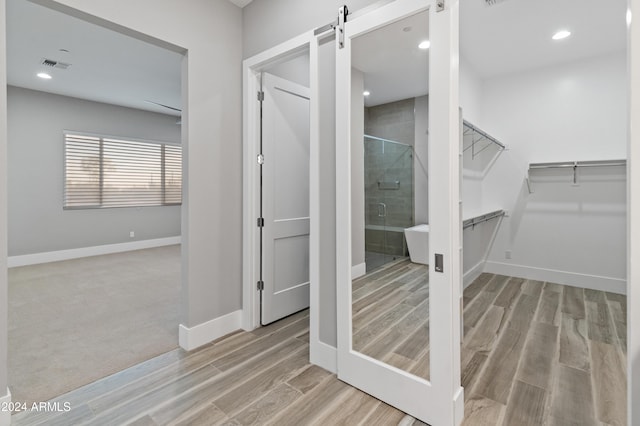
point(325, 356)
point(472, 274)
point(190, 338)
point(55, 256)
point(458, 406)
point(593, 282)
point(5, 415)
point(358, 270)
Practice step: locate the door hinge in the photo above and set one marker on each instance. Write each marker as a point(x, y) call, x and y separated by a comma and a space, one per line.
point(343, 11)
point(261, 222)
point(260, 96)
point(260, 159)
point(260, 285)
point(439, 5)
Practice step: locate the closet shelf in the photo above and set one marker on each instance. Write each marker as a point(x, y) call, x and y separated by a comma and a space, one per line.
point(574, 165)
point(482, 218)
point(478, 136)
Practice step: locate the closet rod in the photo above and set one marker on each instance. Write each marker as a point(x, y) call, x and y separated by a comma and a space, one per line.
point(569, 164)
point(483, 133)
point(480, 219)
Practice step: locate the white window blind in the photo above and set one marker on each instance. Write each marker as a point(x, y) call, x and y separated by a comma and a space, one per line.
point(106, 172)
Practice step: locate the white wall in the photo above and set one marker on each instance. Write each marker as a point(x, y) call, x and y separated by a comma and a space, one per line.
point(470, 92)
point(470, 104)
point(569, 234)
point(476, 243)
point(37, 221)
point(477, 240)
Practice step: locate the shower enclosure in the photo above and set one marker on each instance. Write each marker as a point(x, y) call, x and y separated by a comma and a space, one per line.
point(388, 175)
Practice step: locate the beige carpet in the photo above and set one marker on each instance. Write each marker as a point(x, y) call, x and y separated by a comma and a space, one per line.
point(76, 321)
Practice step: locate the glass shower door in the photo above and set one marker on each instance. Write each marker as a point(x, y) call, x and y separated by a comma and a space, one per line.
point(388, 168)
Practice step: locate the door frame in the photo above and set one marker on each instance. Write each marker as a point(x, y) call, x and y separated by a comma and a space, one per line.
point(251, 70)
point(633, 209)
point(439, 400)
point(320, 353)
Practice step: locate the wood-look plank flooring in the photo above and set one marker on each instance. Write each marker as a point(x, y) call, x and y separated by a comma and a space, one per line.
point(248, 378)
point(543, 354)
point(533, 353)
point(391, 316)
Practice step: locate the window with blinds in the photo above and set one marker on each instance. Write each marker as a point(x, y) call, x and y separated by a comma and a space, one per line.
point(101, 172)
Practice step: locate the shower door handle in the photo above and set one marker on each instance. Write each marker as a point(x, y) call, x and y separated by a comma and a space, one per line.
point(382, 210)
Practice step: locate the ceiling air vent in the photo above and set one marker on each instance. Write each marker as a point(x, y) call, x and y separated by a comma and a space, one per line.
point(55, 64)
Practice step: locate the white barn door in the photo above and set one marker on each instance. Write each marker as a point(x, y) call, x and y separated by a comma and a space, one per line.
point(438, 399)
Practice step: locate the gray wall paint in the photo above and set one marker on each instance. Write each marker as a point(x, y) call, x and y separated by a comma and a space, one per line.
point(394, 121)
point(3, 203)
point(327, 100)
point(210, 32)
point(357, 168)
point(37, 222)
point(295, 69)
point(421, 160)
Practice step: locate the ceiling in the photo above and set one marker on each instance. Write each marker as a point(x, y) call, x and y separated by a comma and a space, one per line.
point(394, 67)
point(106, 66)
point(509, 36)
point(515, 35)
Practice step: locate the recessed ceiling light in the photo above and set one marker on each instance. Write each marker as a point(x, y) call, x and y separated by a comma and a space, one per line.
point(44, 75)
point(561, 34)
point(425, 45)
point(366, 93)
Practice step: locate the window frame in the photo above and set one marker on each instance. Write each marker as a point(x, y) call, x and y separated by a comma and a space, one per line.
point(102, 138)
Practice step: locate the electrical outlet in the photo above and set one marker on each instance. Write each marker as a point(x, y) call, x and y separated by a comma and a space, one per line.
point(132, 234)
point(507, 254)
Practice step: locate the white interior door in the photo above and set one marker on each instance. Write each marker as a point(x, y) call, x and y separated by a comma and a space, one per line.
point(436, 397)
point(285, 198)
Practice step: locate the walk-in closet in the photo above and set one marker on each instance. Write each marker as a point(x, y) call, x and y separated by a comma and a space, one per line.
point(545, 277)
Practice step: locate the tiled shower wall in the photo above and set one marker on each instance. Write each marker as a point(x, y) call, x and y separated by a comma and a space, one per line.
point(394, 121)
point(385, 164)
